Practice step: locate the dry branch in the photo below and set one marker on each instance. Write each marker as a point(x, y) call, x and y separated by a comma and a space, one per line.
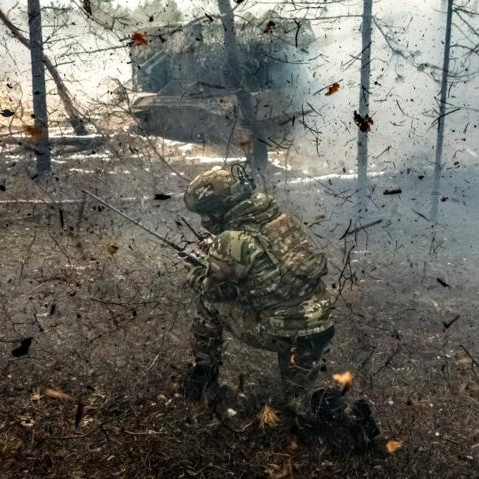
point(74, 115)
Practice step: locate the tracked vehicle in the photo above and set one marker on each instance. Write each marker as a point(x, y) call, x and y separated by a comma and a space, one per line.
point(184, 89)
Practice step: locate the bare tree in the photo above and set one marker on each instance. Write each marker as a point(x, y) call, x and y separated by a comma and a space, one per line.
point(442, 114)
point(38, 86)
point(259, 158)
point(72, 112)
point(364, 93)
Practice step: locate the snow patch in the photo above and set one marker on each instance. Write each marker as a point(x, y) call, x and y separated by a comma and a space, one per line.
point(346, 176)
point(81, 170)
point(214, 159)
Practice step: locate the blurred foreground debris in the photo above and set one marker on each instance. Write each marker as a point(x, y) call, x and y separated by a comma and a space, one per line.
point(394, 445)
point(363, 122)
point(56, 393)
point(344, 379)
point(22, 350)
point(393, 191)
point(268, 417)
point(344, 427)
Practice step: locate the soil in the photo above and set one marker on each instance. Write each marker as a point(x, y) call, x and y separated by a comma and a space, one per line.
point(109, 314)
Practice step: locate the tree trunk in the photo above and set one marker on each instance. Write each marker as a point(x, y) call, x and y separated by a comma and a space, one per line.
point(39, 90)
point(259, 158)
point(364, 92)
point(74, 116)
point(442, 114)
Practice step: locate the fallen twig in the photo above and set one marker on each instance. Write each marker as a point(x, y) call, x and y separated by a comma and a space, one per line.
point(143, 433)
point(347, 230)
point(421, 215)
point(448, 324)
point(382, 152)
point(83, 436)
point(443, 283)
point(388, 360)
point(360, 228)
point(474, 361)
point(154, 360)
point(394, 191)
point(442, 116)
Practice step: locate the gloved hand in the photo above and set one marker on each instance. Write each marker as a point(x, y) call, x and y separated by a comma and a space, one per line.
point(204, 245)
point(197, 380)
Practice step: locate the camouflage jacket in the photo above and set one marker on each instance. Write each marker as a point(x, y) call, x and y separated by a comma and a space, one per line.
point(266, 262)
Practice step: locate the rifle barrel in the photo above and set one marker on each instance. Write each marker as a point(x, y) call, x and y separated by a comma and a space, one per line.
point(185, 221)
point(184, 253)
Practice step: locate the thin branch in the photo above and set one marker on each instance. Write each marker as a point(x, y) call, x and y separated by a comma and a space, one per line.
point(63, 92)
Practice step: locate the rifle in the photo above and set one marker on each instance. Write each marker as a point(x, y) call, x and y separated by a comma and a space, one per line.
point(183, 253)
point(185, 222)
point(200, 236)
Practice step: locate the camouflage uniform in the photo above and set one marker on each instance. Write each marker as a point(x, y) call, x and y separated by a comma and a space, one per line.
point(263, 284)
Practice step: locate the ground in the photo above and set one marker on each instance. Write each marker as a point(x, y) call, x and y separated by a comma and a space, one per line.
point(109, 314)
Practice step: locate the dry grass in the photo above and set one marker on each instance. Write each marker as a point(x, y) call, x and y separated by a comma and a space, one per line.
point(110, 339)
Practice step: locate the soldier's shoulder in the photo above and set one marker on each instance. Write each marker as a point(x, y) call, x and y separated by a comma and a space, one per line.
point(231, 236)
point(262, 199)
point(234, 244)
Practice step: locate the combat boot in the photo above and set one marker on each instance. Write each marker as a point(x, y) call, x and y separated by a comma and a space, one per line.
point(343, 426)
point(200, 381)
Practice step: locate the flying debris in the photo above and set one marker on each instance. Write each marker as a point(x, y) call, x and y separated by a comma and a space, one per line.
point(87, 7)
point(344, 379)
point(56, 394)
point(393, 191)
point(32, 131)
point(162, 196)
point(333, 88)
point(394, 445)
point(364, 123)
point(443, 283)
point(22, 350)
point(139, 39)
point(268, 417)
point(268, 28)
point(111, 249)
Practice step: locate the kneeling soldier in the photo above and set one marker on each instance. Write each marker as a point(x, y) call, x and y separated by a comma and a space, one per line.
point(262, 283)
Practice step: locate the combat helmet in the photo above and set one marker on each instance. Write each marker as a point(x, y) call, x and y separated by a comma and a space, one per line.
point(217, 190)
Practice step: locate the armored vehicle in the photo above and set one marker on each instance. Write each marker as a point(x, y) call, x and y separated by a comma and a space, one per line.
point(184, 90)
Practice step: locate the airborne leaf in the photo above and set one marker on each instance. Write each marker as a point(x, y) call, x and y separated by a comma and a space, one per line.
point(394, 445)
point(79, 414)
point(268, 417)
point(87, 6)
point(139, 39)
point(268, 28)
point(55, 393)
point(364, 123)
point(22, 350)
point(333, 88)
point(293, 360)
point(36, 396)
point(32, 131)
point(162, 196)
point(344, 379)
point(111, 249)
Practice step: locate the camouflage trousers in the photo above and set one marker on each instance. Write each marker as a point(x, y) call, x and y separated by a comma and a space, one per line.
point(298, 357)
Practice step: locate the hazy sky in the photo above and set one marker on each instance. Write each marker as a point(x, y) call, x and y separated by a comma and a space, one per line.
point(6, 4)
point(403, 101)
